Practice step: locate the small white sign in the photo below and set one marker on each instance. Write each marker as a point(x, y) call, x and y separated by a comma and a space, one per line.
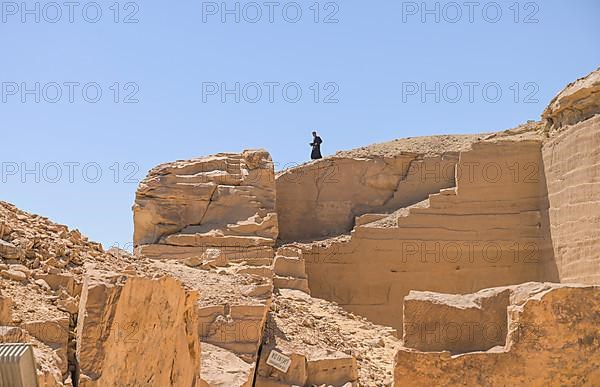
point(279, 361)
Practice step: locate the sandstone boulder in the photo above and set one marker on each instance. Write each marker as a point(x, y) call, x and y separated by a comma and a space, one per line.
point(137, 331)
point(215, 257)
point(55, 334)
point(10, 251)
point(222, 368)
point(454, 322)
point(232, 310)
point(13, 275)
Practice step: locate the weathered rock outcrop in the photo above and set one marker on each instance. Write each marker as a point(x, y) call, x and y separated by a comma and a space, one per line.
point(552, 340)
point(407, 232)
point(577, 102)
point(216, 214)
point(225, 201)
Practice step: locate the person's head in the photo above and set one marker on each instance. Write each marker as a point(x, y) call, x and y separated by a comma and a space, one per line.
point(314, 134)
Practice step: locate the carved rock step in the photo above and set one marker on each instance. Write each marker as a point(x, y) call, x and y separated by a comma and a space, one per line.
point(289, 267)
point(291, 283)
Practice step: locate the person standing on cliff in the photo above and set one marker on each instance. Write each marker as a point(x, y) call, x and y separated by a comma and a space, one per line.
point(316, 147)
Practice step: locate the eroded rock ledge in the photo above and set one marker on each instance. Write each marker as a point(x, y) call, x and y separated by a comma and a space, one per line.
point(577, 102)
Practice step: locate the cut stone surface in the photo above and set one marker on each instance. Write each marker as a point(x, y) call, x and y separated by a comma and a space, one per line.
point(222, 368)
point(322, 198)
point(572, 165)
point(552, 340)
point(455, 322)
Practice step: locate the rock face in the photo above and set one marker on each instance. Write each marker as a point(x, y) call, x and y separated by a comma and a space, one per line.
point(577, 102)
point(552, 340)
point(225, 201)
point(323, 198)
point(455, 323)
point(216, 214)
point(488, 231)
point(123, 318)
point(572, 165)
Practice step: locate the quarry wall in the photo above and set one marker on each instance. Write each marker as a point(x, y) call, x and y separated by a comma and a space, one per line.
point(489, 231)
point(323, 198)
point(572, 167)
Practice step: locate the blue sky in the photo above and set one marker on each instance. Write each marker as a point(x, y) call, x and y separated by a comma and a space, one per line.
point(367, 72)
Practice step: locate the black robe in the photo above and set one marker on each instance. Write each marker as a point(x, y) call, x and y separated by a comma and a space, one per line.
point(316, 148)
